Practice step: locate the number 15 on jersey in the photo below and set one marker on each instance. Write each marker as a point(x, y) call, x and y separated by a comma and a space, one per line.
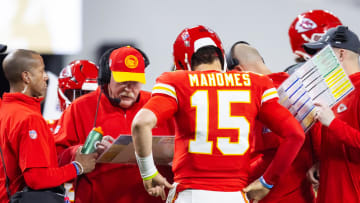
point(201, 143)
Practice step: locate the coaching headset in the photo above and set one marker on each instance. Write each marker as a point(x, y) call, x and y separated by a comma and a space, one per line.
point(231, 61)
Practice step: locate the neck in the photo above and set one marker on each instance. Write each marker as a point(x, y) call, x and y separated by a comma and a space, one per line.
point(20, 88)
point(351, 67)
point(263, 69)
point(216, 65)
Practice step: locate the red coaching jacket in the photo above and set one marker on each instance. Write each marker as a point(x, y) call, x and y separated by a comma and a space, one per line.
point(28, 147)
point(340, 151)
point(108, 182)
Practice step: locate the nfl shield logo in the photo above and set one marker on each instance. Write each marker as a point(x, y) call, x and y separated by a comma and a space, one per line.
point(32, 134)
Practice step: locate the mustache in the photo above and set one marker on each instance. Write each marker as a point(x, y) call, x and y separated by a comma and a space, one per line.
point(127, 94)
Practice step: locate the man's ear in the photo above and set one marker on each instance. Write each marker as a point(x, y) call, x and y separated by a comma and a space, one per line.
point(25, 76)
point(341, 55)
point(239, 68)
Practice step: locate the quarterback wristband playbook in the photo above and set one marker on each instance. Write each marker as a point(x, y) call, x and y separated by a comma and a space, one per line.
point(147, 167)
point(263, 182)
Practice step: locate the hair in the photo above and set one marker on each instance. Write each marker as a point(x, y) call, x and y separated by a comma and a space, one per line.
point(17, 62)
point(205, 55)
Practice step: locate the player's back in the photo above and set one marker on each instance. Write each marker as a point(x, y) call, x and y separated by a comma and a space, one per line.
point(215, 117)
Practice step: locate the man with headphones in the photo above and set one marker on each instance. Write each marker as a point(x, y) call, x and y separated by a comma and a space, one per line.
point(116, 101)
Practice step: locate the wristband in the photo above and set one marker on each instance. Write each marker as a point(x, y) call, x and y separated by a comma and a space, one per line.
point(263, 182)
point(79, 167)
point(147, 167)
point(76, 168)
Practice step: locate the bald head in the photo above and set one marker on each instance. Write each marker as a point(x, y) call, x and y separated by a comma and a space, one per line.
point(19, 61)
point(249, 59)
point(246, 54)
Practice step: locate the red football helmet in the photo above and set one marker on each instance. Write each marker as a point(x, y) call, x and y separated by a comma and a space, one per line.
point(192, 39)
point(76, 79)
point(309, 27)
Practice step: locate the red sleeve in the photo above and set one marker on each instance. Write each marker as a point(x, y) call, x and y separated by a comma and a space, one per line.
point(40, 178)
point(166, 110)
point(280, 121)
point(66, 139)
point(257, 167)
point(36, 144)
point(345, 133)
point(315, 136)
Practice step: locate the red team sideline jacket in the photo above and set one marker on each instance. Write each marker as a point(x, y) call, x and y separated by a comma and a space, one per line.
point(108, 182)
point(340, 151)
point(27, 144)
point(215, 113)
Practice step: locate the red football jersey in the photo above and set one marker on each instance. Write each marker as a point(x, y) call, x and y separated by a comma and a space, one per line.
point(215, 114)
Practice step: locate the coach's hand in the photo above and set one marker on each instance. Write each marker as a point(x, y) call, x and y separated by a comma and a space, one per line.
point(313, 176)
point(104, 144)
point(156, 186)
point(324, 114)
point(256, 191)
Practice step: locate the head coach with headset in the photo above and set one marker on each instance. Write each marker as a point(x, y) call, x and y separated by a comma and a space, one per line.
point(112, 107)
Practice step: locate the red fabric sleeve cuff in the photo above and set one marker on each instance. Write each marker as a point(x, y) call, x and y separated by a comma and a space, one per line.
point(67, 155)
point(336, 125)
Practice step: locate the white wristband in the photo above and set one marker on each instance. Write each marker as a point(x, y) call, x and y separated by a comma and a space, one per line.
point(147, 167)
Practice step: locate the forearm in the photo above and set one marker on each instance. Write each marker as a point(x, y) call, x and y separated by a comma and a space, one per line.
point(315, 138)
point(41, 178)
point(286, 152)
point(141, 132)
point(345, 133)
point(286, 126)
point(67, 155)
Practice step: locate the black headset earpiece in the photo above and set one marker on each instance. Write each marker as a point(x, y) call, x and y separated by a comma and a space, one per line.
point(231, 61)
point(104, 70)
point(146, 59)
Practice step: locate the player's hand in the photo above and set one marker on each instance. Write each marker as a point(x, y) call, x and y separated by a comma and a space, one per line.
point(87, 161)
point(324, 114)
point(156, 186)
point(104, 144)
point(313, 176)
point(256, 191)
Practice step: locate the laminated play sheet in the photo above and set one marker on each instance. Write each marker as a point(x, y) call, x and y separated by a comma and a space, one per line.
point(320, 79)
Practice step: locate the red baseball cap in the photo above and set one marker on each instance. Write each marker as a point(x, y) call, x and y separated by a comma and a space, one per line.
point(127, 64)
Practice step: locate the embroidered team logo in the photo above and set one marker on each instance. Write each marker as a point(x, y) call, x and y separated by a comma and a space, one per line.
point(32, 134)
point(131, 61)
point(341, 108)
point(304, 25)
